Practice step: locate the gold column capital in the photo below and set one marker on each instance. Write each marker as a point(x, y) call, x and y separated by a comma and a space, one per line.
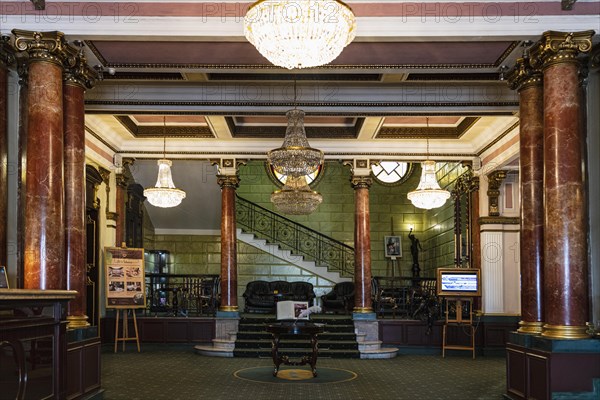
point(77, 71)
point(122, 180)
point(228, 181)
point(41, 46)
point(524, 75)
point(564, 47)
point(361, 182)
point(495, 179)
point(228, 166)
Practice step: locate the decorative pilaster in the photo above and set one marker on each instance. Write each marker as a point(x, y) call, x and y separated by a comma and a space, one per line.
point(122, 183)
point(529, 83)
point(6, 58)
point(494, 182)
point(77, 78)
point(44, 202)
point(565, 218)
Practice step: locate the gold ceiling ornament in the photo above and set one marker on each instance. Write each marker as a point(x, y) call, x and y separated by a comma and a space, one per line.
point(164, 194)
point(300, 33)
point(296, 197)
point(428, 194)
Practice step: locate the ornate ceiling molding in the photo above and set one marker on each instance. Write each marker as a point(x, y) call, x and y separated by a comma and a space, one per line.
point(424, 132)
point(150, 131)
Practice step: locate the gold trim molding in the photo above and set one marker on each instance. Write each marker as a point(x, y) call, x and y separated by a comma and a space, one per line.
point(531, 328)
point(565, 332)
point(499, 220)
point(228, 308)
point(363, 310)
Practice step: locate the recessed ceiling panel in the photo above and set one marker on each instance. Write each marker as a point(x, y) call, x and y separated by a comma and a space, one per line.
point(134, 54)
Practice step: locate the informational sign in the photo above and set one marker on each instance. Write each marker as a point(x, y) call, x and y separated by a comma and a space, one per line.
point(124, 277)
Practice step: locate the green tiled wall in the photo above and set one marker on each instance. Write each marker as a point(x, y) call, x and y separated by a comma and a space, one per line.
point(335, 216)
point(201, 254)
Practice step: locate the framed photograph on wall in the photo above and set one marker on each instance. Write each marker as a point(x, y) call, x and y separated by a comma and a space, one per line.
point(393, 246)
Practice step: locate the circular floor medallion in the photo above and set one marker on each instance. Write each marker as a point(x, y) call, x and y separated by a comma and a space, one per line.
point(295, 375)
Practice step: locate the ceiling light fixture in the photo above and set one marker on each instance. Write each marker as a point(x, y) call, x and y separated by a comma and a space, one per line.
point(428, 194)
point(164, 194)
point(295, 157)
point(296, 197)
point(300, 33)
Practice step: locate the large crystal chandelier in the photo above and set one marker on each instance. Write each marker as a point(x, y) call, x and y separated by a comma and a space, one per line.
point(164, 194)
point(428, 194)
point(295, 197)
point(295, 157)
point(300, 33)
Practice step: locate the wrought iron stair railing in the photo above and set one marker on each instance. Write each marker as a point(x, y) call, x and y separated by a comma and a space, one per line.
point(299, 239)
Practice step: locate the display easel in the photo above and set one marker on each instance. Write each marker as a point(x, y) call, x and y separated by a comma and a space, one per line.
point(125, 337)
point(459, 303)
point(125, 284)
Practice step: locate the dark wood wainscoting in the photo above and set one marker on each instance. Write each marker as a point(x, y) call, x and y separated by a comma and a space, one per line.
point(165, 330)
point(538, 367)
point(83, 368)
point(491, 335)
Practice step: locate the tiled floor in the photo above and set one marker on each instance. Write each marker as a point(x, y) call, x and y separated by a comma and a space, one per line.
point(176, 372)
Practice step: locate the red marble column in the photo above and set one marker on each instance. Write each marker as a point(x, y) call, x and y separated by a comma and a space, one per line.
point(362, 246)
point(531, 111)
point(44, 266)
point(75, 228)
point(228, 184)
point(3, 154)
point(565, 217)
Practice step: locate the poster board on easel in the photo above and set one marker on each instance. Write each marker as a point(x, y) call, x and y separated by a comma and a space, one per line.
point(125, 287)
point(125, 279)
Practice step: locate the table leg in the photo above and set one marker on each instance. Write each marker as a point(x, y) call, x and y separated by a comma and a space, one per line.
point(275, 353)
point(315, 352)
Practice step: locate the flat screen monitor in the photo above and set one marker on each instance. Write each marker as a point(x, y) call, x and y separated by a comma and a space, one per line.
point(464, 282)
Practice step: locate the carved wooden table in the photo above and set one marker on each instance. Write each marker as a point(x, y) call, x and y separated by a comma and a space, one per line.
point(295, 328)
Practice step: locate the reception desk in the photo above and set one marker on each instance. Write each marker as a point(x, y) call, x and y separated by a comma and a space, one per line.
point(33, 345)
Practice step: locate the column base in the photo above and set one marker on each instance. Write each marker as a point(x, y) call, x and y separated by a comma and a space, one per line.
point(362, 310)
point(229, 308)
point(565, 332)
point(77, 321)
point(531, 328)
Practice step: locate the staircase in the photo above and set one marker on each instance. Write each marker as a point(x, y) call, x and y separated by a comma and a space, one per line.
point(293, 242)
point(337, 341)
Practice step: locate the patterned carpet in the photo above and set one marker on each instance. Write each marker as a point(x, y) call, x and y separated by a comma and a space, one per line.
point(176, 372)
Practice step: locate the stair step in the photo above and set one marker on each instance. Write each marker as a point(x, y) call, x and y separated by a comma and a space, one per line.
point(296, 344)
point(296, 353)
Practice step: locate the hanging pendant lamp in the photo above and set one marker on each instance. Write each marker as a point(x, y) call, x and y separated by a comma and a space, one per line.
point(428, 194)
point(164, 194)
